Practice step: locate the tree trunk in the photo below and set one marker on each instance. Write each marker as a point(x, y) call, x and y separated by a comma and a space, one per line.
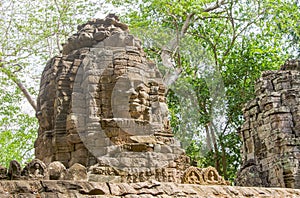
point(20, 85)
point(26, 93)
point(208, 138)
point(224, 163)
point(216, 152)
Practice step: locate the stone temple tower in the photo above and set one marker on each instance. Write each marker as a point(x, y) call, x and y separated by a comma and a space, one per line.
point(103, 102)
point(271, 131)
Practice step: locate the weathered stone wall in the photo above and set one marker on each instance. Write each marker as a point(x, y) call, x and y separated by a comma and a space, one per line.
point(54, 180)
point(150, 189)
point(271, 131)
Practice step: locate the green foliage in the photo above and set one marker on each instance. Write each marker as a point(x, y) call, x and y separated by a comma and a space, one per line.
point(37, 30)
point(17, 129)
point(31, 33)
point(248, 58)
point(223, 50)
point(285, 18)
point(229, 150)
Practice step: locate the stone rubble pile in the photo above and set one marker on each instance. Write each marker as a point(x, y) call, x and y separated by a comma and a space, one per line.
point(37, 170)
point(271, 131)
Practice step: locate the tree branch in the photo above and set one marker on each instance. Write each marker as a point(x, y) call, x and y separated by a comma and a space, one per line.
point(168, 50)
point(25, 92)
point(57, 34)
point(186, 24)
point(216, 6)
point(20, 85)
point(234, 36)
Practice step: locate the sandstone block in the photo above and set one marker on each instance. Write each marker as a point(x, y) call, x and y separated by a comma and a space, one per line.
point(57, 170)
point(76, 172)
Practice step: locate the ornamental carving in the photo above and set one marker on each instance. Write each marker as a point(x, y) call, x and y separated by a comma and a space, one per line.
point(203, 176)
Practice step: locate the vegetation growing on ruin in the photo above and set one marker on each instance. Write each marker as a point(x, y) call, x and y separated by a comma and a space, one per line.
point(215, 49)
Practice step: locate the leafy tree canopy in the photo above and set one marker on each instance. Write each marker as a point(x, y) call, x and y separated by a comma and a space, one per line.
point(31, 33)
point(210, 52)
point(215, 51)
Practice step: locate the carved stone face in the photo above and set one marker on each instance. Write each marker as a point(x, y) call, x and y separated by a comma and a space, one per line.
point(130, 101)
point(103, 101)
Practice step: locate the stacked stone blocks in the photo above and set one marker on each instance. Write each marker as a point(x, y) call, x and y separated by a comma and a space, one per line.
point(102, 104)
point(271, 133)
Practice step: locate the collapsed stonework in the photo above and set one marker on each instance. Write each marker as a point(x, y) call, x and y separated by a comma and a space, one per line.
point(271, 131)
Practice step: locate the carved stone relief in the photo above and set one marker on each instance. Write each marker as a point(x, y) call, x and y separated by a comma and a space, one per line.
point(203, 176)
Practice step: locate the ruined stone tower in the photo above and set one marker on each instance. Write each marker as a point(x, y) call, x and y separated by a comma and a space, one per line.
point(103, 102)
point(271, 131)
point(102, 106)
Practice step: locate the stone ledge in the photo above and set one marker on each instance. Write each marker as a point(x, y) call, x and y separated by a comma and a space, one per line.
point(64, 188)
